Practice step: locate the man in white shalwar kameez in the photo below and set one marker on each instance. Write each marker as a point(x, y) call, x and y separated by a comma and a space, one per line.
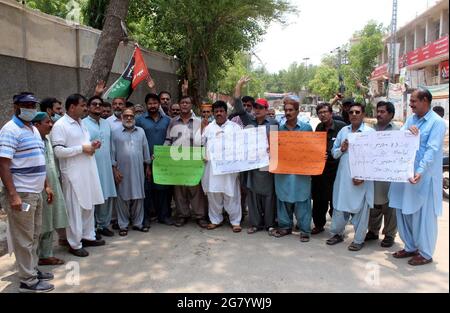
point(223, 191)
point(79, 175)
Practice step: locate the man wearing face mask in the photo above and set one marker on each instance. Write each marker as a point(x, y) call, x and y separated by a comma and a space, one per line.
point(53, 107)
point(130, 152)
point(79, 175)
point(118, 105)
point(23, 175)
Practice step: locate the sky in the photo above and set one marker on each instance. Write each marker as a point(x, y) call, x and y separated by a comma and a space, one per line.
point(323, 25)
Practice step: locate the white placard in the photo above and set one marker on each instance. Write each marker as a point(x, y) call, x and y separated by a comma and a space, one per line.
point(383, 156)
point(240, 151)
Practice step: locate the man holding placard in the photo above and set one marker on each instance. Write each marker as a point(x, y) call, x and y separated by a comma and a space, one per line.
point(419, 202)
point(352, 198)
point(184, 131)
point(223, 191)
point(385, 114)
point(293, 191)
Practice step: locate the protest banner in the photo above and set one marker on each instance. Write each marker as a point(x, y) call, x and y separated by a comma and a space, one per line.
point(300, 153)
point(383, 156)
point(179, 166)
point(240, 151)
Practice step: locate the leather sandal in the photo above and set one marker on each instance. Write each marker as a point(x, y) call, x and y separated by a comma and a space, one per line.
point(52, 261)
point(278, 233)
point(419, 260)
point(403, 254)
point(236, 228)
point(213, 226)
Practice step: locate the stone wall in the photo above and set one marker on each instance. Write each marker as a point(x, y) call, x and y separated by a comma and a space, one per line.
point(50, 57)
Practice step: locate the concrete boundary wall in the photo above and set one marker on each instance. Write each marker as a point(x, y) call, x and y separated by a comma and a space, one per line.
point(50, 57)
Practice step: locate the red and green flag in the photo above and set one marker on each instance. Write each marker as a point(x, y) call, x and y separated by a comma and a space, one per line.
point(134, 74)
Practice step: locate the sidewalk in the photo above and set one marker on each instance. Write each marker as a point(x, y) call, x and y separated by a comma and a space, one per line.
point(189, 259)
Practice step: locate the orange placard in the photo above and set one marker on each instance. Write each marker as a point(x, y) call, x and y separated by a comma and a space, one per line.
point(300, 153)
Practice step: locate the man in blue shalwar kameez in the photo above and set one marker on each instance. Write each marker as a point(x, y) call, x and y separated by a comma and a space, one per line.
point(419, 202)
point(352, 198)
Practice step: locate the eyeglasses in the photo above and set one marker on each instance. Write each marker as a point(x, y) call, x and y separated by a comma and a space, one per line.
point(354, 112)
point(96, 103)
point(206, 112)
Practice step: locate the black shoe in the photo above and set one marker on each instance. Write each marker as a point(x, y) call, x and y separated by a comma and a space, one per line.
point(371, 236)
point(202, 223)
point(387, 242)
point(92, 243)
point(115, 225)
point(39, 287)
point(167, 221)
point(317, 230)
point(180, 222)
point(81, 253)
point(106, 232)
point(335, 240)
point(44, 276)
point(98, 235)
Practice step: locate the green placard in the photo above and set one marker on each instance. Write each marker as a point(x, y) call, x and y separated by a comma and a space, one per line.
point(179, 166)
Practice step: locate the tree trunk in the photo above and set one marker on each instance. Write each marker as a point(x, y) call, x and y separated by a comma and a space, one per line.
point(107, 46)
point(200, 87)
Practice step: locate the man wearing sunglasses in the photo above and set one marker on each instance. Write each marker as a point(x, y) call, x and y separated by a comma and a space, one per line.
point(99, 129)
point(352, 198)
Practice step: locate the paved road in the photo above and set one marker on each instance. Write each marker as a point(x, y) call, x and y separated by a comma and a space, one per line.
point(189, 259)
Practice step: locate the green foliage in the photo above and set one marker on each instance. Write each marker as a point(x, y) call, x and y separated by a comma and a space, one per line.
point(94, 13)
point(325, 82)
point(60, 8)
point(205, 35)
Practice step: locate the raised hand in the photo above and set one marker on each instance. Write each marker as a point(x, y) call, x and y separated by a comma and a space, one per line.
point(100, 88)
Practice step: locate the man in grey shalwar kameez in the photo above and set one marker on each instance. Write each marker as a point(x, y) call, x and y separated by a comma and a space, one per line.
point(130, 152)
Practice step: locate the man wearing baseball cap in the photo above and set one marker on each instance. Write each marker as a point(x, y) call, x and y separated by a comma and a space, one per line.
point(23, 175)
point(261, 199)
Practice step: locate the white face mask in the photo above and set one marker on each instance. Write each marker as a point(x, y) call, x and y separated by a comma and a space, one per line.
point(27, 115)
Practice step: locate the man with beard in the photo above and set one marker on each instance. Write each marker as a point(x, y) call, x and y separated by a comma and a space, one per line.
point(118, 105)
point(100, 130)
point(158, 197)
point(53, 107)
point(130, 152)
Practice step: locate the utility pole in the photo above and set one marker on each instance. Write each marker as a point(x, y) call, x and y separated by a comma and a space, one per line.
point(393, 45)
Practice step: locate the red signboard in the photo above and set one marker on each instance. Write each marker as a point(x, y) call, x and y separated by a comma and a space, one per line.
point(380, 71)
point(443, 69)
point(430, 51)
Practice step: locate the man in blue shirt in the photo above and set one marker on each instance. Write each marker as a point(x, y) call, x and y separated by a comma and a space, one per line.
point(293, 191)
point(352, 198)
point(419, 202)
point(158, 197)
point(23, 174)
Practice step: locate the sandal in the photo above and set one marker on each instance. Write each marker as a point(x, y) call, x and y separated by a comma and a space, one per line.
point(278, 233)
point(236, 228)
point(144, 229)
point(304, 238)
point(213, 226)
point(50, 261)
point(403, 254)
point(123, 232)
point(355, 246)
point(419, 260)
point(252, 230)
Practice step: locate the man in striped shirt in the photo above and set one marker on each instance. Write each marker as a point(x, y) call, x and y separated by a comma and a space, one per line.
point(23, 175)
